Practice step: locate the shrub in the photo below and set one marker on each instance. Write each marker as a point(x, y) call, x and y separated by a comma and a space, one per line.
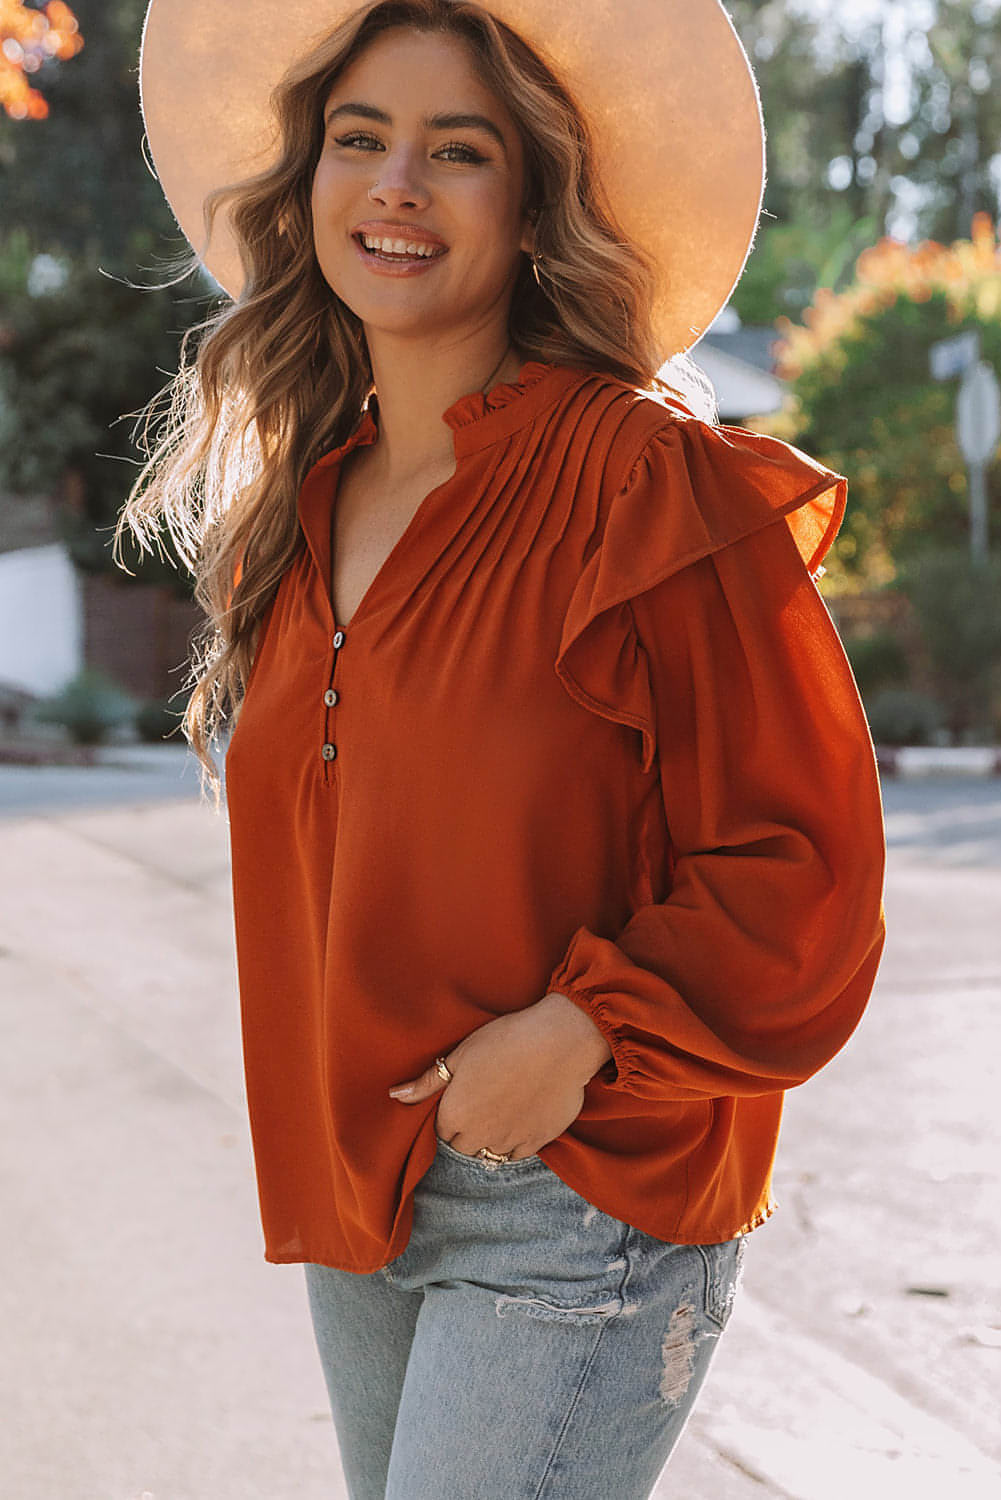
point(88, 707)
point(878, 660)
point(156, 720)
point(957, 602)
point(900, 716)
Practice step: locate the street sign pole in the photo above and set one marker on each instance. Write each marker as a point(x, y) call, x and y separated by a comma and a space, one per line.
point(978, 427)
point(977, 483)
point(978, 421)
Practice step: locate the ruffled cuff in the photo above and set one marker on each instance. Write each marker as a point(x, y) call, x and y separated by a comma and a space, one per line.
point(623, 1070)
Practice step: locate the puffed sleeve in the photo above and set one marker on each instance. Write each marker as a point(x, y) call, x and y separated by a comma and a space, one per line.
point(701, 625)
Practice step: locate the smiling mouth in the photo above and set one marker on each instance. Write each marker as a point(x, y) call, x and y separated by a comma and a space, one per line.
point(399, 250)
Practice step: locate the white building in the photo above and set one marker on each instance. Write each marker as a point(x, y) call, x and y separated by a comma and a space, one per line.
point(41, 604)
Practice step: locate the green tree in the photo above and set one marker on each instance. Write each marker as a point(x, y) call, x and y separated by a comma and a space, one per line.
point(890, 128)
point(950, 141)
point(76, 359)
point(957, 602)
point(78, 179)
point(861, 396)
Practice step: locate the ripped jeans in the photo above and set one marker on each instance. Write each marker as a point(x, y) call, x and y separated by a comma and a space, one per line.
point(524, 1346)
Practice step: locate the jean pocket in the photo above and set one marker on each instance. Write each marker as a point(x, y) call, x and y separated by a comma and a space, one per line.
point(479, 1164)
point(723, 1264)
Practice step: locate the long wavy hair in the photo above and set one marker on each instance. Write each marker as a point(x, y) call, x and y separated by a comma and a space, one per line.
point(267, 384)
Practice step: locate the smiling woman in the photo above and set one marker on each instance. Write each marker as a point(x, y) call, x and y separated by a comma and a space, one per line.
point(455, 190)
point(556, 836)
point(452, 183)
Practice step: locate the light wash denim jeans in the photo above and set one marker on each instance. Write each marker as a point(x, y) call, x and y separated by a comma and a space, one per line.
point(524, 1345)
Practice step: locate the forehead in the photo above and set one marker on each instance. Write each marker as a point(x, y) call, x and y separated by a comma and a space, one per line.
point(404, 71)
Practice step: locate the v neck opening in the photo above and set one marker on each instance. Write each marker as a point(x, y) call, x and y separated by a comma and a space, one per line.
point(397, 547)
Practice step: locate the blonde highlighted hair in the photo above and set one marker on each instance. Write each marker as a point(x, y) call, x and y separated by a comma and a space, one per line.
point(273, 381)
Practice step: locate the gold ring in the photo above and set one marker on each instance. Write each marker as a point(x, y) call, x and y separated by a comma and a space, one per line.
point(443, 1070)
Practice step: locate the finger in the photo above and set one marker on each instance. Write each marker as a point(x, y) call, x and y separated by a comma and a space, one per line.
point(429, 1082)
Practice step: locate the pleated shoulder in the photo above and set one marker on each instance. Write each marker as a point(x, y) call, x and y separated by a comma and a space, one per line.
point(692, 489)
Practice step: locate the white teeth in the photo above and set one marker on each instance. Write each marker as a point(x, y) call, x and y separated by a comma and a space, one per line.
point(397, 247)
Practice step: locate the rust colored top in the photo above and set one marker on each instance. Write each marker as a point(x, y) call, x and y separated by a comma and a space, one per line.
point(590, 730)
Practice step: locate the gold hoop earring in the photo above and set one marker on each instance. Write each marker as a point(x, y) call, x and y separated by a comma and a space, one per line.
point(535, 270)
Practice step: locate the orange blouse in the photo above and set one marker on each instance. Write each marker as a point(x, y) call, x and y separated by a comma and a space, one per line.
point(590, 730)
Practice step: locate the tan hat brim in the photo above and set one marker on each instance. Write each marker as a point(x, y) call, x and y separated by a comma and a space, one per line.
point(669, 92)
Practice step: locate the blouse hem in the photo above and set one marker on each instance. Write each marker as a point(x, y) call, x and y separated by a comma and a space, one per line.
point(710, 1235)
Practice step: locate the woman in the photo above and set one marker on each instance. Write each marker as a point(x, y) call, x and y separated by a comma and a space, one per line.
point(557, 847)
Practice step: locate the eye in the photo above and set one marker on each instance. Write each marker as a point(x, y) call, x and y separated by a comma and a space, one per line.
point(468, 153)
point(356, 140)
point(457, 151)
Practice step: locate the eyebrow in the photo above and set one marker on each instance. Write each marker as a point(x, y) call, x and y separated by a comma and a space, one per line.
point(429, 122)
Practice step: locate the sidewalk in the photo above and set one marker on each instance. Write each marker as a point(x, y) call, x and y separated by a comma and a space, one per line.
point(150, 1353)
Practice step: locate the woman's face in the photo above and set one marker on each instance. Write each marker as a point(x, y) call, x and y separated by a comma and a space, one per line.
point(418, 150)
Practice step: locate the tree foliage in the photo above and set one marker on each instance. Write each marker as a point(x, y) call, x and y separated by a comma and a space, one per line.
point(78, 179)
point(32, 37)
point(958, 604)
point(77, 357)
point(888, 129)
point(862, 396)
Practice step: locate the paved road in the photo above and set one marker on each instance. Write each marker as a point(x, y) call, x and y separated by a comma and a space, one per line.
point(149, 1353)
point(123, 775)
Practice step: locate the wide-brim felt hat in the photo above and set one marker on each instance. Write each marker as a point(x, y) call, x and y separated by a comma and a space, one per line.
point(666, 86)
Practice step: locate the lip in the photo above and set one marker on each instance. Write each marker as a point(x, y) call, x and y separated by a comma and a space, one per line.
point(415, 267)
point(398, 230)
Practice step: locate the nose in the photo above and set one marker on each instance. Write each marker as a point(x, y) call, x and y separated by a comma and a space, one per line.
point(400, 183)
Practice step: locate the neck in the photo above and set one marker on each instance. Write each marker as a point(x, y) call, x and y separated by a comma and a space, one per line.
point(416, 384)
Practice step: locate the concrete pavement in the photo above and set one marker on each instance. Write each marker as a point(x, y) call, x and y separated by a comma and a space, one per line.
point(151, 1354)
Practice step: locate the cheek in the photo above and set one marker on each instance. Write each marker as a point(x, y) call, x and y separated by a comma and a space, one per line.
point(328, 190)
point(493, 215)
point(317, 198)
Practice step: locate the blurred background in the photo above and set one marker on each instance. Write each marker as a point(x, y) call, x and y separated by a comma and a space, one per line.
point(149, 1353)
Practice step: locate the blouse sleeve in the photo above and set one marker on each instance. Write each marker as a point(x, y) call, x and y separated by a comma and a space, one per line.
point(709, 635)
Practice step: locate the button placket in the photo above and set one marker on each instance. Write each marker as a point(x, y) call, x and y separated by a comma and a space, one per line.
point(331, 697)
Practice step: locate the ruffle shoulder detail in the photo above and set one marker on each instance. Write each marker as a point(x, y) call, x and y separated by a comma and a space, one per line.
point(694, 489)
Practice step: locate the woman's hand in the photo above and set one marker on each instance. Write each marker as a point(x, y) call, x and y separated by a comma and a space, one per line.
point(518, 1080)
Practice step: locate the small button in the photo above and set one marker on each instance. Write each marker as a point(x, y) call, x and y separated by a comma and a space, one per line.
point(328, 752)
point(330, 697)
point(338, 640)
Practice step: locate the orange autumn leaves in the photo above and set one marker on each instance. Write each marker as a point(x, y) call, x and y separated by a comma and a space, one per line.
point(28, 38)
point(968, 272)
